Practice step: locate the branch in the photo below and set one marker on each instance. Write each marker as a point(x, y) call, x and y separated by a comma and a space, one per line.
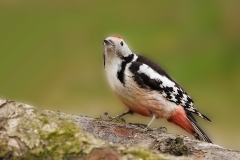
point(27, 132)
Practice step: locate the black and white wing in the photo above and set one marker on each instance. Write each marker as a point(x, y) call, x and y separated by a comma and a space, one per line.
point(150, 75)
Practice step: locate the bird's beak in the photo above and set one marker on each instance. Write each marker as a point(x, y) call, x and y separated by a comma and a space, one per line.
point(107, 42)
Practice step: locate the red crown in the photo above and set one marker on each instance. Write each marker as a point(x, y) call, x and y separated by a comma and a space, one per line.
point(117, 36)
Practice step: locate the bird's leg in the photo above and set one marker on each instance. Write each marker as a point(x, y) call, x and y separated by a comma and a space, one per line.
point(153, 118)
point(118, 117)
point(123, 114)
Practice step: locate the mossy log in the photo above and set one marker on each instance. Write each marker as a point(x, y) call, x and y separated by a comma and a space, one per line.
point(27, 132)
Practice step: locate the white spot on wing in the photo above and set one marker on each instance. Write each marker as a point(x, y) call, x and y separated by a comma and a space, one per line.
point(191, 109)
point(164, 94)
point(184, 98)
point(165, 82)
point(173, 98)
point(145, 69)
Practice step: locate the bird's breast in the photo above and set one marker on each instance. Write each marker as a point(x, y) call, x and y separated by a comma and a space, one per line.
point(140, 100)
point(144, 101)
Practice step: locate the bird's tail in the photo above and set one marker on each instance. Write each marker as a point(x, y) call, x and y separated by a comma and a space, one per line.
point(186, 121)
point(198, 133)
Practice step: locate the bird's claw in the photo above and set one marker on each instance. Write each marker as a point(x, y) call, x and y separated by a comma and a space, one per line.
point(147, 128)
point(105, 114)
point(118, 119)
point(162, 128)
point(113, 119)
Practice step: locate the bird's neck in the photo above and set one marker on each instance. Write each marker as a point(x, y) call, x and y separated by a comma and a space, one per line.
point(112, 66)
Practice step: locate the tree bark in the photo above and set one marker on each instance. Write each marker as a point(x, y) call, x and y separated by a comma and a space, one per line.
point(27, 132)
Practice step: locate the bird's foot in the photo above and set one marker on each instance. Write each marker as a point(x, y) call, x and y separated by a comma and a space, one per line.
point(117, 119)
point(147, 128)
point(144, 128)
point(162, 128)
point(105, 114)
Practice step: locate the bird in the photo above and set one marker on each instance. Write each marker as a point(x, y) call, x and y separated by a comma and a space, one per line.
point(146, 89)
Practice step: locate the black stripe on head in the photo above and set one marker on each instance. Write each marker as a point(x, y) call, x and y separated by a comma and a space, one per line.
point(120, 73)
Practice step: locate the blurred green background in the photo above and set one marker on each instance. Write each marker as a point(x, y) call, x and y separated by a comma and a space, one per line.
point(51, 55)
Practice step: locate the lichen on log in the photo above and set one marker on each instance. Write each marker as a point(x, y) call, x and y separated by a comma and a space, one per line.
point(27, 132)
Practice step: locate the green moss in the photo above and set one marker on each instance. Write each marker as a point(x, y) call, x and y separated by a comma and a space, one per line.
point(49, 135)
point(176, 147)
point(61, 142)
point(55, 136)
point(4, 151)
point(7, 151)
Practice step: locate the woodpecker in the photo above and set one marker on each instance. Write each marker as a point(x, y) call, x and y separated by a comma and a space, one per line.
point(146, 89)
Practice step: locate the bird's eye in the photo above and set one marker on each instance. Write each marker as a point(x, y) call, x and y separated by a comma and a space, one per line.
point(121, 43)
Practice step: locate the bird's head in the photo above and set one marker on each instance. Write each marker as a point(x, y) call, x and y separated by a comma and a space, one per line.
point(115, 47)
